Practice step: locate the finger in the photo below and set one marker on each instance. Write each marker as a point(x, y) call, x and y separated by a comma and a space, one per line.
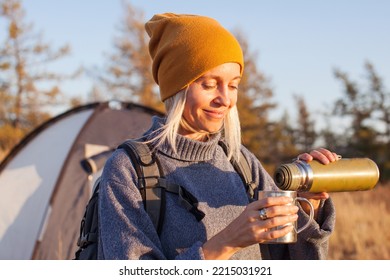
point(265, 236)
point(268, 228)
point(305, 157)
point(281, 220)
point(323, 155)
point(285, 210)
point(330, 155)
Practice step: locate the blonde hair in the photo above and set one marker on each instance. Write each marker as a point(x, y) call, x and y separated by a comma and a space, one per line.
point(174, 106)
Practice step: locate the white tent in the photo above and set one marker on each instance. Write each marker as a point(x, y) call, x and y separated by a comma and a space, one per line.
point(44, 189)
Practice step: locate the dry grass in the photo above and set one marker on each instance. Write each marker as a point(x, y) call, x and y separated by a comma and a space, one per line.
point(362, 225)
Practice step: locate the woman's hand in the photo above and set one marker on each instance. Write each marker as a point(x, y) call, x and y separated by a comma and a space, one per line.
point(325, 157)
point(248, 228)
point(322, 155)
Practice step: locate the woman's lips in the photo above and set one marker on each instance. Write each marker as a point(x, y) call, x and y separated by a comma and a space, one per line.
point(215, 114)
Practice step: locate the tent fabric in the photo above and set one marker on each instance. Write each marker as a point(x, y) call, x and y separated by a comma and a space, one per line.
point(43, 185)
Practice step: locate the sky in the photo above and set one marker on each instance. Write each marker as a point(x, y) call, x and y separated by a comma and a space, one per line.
point(298, 43)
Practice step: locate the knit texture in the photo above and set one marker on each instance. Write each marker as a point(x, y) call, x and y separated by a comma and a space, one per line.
point(127, 232)
point(183, 47)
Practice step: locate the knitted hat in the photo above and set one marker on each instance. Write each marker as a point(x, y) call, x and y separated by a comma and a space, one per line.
point(183, 47)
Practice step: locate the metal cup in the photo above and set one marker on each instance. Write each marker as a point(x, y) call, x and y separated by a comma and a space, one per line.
point(290, 237)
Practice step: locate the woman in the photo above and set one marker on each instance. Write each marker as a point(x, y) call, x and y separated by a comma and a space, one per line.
point(198, 66)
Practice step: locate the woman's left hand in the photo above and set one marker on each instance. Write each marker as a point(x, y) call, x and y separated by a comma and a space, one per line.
point(325, 157)
point(322, 155)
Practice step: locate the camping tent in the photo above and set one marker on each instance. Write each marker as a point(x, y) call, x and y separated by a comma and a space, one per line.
point(44, 189)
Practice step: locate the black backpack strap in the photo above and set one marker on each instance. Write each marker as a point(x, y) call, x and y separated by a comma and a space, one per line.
point(186, 199)
point(88, 237)
point(153, 185)
point(243, 169)
point(148, 179)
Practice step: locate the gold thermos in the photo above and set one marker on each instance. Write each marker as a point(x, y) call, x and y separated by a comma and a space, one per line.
point(347, 174)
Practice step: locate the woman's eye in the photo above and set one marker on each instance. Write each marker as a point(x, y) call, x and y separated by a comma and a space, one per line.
point(209, 86)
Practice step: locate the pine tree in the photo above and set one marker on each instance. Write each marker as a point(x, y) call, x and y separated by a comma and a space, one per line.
point(128, 72)
point(27, 87)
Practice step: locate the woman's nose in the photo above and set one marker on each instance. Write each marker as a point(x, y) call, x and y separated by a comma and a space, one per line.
point(223, 97)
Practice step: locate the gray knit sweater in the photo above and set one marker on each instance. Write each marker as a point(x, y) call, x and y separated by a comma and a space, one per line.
point(126, 231)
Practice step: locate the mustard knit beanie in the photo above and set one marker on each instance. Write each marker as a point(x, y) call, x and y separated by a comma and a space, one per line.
point(183, 47)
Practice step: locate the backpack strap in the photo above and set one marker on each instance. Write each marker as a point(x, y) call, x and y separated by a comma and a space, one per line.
point(88, 237)
point(186, 199)
point(243, 169)
point(148, 174)
point(153, 185)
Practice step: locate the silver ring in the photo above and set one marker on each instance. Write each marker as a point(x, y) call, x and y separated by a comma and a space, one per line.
point(263, 214)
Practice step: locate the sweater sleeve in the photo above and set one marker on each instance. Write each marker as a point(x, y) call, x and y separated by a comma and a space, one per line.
point(125, 228)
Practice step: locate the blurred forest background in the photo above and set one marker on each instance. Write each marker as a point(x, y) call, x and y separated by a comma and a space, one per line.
point(358, 126)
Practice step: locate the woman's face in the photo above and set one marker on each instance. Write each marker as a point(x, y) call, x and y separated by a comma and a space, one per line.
point(209, 99)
